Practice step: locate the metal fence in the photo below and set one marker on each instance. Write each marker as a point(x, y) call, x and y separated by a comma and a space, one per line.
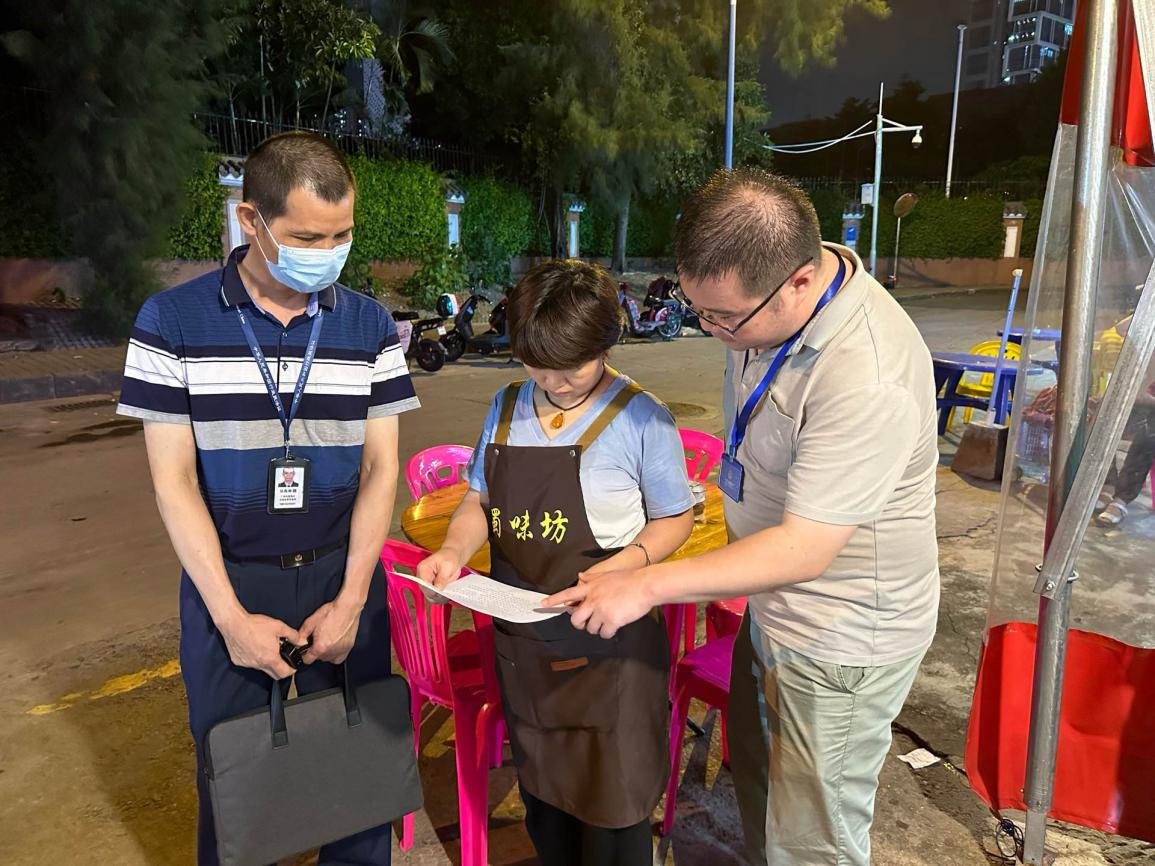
point(236, 136)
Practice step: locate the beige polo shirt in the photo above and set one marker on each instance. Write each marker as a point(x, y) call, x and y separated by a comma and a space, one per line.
point(848, 436)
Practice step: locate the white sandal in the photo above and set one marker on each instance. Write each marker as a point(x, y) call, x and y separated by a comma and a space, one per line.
point(1113, 514)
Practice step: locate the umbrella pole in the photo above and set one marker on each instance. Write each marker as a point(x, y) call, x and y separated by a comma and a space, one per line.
point(1088, 213)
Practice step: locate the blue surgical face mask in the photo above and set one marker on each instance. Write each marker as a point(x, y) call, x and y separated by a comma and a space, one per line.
point(305, 269)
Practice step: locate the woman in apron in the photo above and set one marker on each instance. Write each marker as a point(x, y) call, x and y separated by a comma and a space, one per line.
point(578, 469)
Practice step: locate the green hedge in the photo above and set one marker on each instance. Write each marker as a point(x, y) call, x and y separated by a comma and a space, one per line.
point(650, 233)
point(497, 223)
point(400, 211)
point(941, 228)
point(1031, 226)
point(830, 205)
point(198, 235)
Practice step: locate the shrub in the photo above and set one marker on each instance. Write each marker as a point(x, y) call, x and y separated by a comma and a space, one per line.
point(198, 235)
point(400, 210)
point(496, 225)
point(442, 270)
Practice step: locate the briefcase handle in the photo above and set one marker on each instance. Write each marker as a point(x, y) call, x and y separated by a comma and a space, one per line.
point(280, 729)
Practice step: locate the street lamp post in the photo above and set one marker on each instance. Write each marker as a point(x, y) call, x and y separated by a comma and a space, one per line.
point(729, 155)
point(881, 125)
point(962, 28)
point(878, 119)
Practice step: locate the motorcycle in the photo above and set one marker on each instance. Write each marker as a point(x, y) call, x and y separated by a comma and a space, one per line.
point(411, 328)
point(496, 339)
point(662, 317)
point(662, 288)
point(453, 341)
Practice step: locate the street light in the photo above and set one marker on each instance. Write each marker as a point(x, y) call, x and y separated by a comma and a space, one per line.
point(729, 155)
point(881, 125)
point(962, 29)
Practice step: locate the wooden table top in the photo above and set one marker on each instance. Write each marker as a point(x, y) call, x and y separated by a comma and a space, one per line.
point(426, 522)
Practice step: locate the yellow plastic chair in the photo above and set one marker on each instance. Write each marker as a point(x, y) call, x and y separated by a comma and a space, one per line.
point(982, 388)
point(1104, 356)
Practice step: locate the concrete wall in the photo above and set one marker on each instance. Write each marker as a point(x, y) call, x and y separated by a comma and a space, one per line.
point(30, 281)
point(955, 272)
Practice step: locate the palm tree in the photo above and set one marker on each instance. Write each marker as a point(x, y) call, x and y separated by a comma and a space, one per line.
point(412, 49)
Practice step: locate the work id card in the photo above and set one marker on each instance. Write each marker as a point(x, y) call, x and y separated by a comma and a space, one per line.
point(730, 476)
point(289, 485)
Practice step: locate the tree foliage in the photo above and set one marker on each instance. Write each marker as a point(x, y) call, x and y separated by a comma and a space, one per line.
point(121, 79)
point(304, 44)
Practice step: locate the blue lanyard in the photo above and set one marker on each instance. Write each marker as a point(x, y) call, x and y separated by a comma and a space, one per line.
point(738, 432)
point(270, 383)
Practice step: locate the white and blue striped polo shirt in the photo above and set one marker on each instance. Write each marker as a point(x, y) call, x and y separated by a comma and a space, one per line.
point(188, 363)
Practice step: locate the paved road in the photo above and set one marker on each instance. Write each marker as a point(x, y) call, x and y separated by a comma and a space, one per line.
point(95, 761)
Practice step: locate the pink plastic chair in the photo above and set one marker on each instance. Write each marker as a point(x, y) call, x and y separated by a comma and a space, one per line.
point(681, 626)
point(703, 674)
point(724, 617)
point(703, 452)
point(458, 673)
point(436, 467)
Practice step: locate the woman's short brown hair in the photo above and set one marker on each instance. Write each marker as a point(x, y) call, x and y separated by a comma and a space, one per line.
point(563, 314)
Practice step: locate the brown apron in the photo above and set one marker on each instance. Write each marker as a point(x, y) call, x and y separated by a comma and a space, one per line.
point(588, 717)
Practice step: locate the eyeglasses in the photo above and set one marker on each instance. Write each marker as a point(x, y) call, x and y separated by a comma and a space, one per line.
point(681, 298)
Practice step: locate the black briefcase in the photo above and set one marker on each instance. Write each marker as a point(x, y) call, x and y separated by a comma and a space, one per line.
point(312, 770)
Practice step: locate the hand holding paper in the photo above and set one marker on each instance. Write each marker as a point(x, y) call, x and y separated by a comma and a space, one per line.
point(492, 598)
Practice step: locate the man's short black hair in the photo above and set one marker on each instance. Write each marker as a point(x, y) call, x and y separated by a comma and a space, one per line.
point(748, 221)
point(291, 160)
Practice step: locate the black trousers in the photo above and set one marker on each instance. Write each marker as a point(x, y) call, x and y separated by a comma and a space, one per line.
point(560, 839)
point(1129, 480)
point(219, 690)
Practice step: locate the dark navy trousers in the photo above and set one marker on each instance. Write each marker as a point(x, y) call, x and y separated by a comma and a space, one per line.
point(218, 690)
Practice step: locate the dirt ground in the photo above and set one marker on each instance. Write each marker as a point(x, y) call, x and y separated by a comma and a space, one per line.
point(96, 765)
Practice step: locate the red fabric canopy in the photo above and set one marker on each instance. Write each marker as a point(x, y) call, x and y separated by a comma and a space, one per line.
point(1131, 126)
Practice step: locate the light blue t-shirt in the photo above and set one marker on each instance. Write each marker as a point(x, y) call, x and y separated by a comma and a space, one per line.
point(633, 472)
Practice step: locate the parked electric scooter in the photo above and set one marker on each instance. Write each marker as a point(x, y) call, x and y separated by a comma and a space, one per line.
point(411, 328)
point(662, 289)
point(496, 339)
point(661, 318)
point(453, 341)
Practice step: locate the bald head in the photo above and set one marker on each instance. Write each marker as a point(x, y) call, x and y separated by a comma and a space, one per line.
point(749, 222)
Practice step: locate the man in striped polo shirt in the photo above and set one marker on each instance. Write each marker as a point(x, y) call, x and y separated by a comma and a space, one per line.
point(270, 397)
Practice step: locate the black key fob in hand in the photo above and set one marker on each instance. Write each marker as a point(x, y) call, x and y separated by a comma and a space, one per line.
point(294, 655)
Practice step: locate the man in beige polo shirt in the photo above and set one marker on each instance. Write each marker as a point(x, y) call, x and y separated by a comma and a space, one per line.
point(830, 480)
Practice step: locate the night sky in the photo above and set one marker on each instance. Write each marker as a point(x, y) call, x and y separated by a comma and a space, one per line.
point(919, 39)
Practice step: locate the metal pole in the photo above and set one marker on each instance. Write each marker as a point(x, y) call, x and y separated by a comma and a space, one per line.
point(729, 156)
point(877, 183)
point(996, 408)
point(894, 263)
point(1088, 211)
point(962, 29)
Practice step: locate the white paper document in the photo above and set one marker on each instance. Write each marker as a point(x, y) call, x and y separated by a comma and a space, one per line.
point(492, 598)
point(919, 759)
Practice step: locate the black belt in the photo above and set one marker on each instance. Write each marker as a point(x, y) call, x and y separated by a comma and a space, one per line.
point(297, 559)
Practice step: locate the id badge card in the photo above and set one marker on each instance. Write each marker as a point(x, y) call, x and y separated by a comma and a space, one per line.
point(730, 476)
point(289, 479)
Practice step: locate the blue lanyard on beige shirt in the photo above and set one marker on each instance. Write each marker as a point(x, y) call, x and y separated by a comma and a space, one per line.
point(270, 383)
point(742, 421)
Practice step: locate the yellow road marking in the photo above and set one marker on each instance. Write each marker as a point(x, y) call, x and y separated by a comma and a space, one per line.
point(115, 686)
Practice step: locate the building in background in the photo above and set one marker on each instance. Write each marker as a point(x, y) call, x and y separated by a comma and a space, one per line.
point(985, 38)
point(1012, 41)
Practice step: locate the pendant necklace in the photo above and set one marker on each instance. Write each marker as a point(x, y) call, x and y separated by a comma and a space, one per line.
point(559, 419)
